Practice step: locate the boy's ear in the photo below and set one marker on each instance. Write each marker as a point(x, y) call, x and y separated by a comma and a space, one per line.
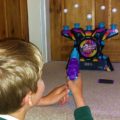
point(27, 100)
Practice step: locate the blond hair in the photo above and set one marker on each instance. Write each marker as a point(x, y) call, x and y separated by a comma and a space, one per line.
point(20, 69)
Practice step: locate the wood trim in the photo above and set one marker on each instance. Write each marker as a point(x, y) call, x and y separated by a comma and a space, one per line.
point(93, 13)
point(6, 23)
point(109, 12)
point(24, 19)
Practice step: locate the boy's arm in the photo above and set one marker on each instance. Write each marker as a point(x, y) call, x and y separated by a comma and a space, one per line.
point(58, 94)
point(83, 113)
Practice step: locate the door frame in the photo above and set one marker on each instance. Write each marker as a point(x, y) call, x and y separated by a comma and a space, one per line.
point(39, 26)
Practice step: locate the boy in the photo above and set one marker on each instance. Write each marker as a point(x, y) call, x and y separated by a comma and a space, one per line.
point(21, 86)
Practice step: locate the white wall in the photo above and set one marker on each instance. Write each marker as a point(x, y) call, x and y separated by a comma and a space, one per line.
point(38, 19)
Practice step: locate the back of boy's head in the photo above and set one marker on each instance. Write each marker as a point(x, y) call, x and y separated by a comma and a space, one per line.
point(20, 69)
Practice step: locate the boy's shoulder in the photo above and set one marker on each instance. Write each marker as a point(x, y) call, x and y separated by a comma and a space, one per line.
point(2, 118)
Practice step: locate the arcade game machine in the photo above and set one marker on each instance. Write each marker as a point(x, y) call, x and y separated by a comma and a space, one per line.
point(89, 44)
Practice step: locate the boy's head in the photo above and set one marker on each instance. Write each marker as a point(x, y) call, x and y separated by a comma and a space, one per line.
point(20, 69)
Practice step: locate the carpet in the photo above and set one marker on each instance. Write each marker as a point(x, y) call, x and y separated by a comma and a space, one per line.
point(103, 99)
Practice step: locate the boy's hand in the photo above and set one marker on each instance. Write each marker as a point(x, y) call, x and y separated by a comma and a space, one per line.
point(76, 89)
point(59, 94)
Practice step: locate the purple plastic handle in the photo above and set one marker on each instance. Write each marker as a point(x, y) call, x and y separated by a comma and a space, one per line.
point(73, 69)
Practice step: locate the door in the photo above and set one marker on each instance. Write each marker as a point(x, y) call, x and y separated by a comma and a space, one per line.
point(107, 11)
point(13, 19)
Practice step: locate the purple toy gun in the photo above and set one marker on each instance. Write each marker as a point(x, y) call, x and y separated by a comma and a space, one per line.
point(73, 65)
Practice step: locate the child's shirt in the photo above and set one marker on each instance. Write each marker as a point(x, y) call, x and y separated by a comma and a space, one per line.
point(7, 117)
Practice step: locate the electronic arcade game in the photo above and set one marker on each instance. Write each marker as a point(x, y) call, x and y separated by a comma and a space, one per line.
point(89, 43)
